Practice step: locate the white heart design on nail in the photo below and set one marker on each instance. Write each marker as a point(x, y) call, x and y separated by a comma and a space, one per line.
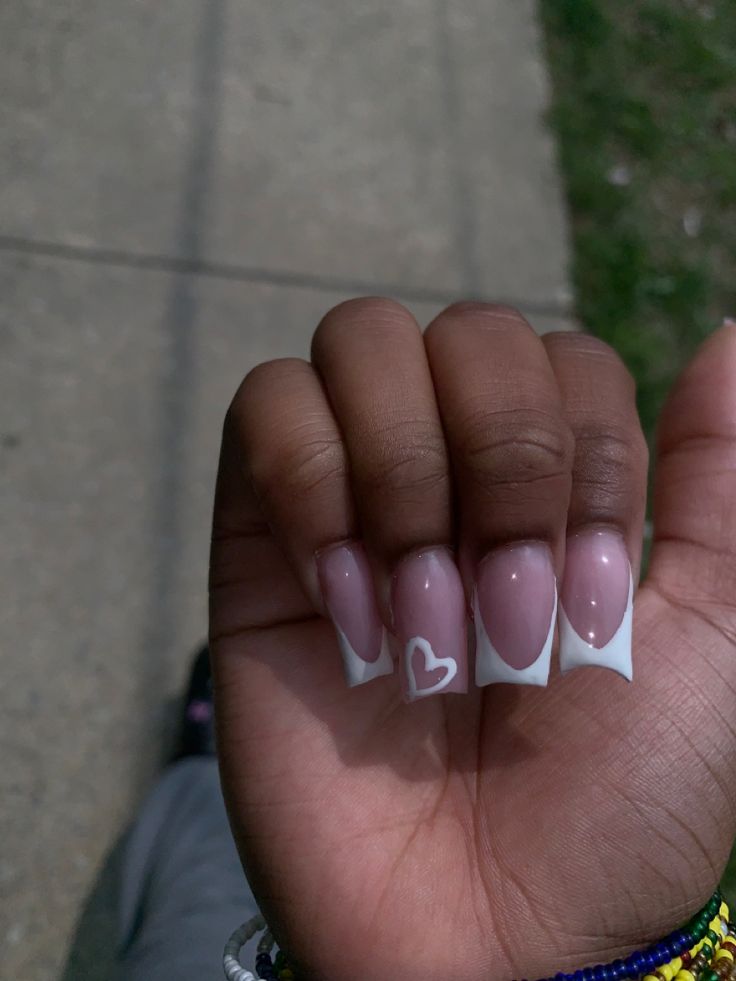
point(431, 662)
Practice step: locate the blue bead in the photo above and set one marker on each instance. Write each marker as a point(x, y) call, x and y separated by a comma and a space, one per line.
point(635, 964)
point(588, 974)
point(654, 956)
point(600, 973)
point(676, 940)
point(578, 976)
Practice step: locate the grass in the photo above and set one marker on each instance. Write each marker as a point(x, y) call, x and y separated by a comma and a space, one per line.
point(644, 107)
point(645, 112)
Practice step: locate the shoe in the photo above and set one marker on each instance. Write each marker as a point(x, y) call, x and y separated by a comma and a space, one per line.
point(197, 729)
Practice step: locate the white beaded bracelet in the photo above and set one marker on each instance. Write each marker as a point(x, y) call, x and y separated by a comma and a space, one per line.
point(234, 970)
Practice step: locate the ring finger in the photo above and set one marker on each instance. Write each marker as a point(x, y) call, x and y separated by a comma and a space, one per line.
point(371, 357)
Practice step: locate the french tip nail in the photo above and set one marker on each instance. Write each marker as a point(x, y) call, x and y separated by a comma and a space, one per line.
point(616, 656)
point(627, 675)
point(596, 604)
point(491, 668)
point(359, 671)
point(515, 605)
point(348, 596)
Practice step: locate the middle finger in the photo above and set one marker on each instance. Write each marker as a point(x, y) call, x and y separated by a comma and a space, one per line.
point(512, 454)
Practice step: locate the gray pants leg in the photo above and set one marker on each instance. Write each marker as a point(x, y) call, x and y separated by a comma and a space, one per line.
point(183, 890)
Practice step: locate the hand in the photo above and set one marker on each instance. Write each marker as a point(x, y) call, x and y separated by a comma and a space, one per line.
point(517, 829)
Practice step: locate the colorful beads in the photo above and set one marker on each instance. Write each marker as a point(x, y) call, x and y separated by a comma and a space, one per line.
point(689, 954)
point(703, 950)
point(268, 969)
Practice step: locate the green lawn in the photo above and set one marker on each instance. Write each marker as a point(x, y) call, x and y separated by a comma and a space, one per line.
point(644, 107)
point(645, 111)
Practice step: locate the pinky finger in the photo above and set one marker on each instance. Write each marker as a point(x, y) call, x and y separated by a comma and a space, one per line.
point(607, 504)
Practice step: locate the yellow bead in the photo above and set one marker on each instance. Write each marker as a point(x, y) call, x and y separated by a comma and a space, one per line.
point(650, 977)
point(724, 910)
point(676, 964)
point(685, 976)
point(666, 972)
point(724, 955)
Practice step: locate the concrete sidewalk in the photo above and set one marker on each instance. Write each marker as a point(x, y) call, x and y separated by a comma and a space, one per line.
point(184, 189)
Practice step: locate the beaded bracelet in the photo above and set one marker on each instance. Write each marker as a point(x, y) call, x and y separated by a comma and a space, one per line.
point(658, 956)
point(268, 969)
point(703, 950)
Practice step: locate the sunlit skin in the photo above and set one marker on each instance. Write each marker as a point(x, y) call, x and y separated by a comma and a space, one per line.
point(510, 832)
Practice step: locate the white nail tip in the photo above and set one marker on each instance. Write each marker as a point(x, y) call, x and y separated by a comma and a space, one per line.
point(431, 662)
point(490, 667)
point(575, 652)
point(357, 670)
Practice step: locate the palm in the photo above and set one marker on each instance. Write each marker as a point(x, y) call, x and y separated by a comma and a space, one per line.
point(528, 828)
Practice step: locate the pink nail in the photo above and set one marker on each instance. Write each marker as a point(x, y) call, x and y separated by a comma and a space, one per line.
point(514, 606)
point(596, 603)
point(347, 588)
point(429, 615)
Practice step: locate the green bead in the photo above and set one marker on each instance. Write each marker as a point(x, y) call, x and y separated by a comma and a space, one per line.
point(706, 950)
point(700, 926)
point(713, 936)
point(709, 975)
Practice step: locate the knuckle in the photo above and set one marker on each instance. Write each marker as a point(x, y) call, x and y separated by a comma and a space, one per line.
point(409, 465)
point(301, 464)
point(517, 447)
point(259, 383)
point(375, 313)
point(610, 460)
point(490, 316)
point(580, 346)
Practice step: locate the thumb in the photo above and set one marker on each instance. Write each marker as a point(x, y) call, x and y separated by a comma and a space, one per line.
point(693, 562)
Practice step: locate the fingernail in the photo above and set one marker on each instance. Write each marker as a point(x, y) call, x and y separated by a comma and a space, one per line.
point(429, 616)
point(514, 607)
point(596, 603)
point(347, 589)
